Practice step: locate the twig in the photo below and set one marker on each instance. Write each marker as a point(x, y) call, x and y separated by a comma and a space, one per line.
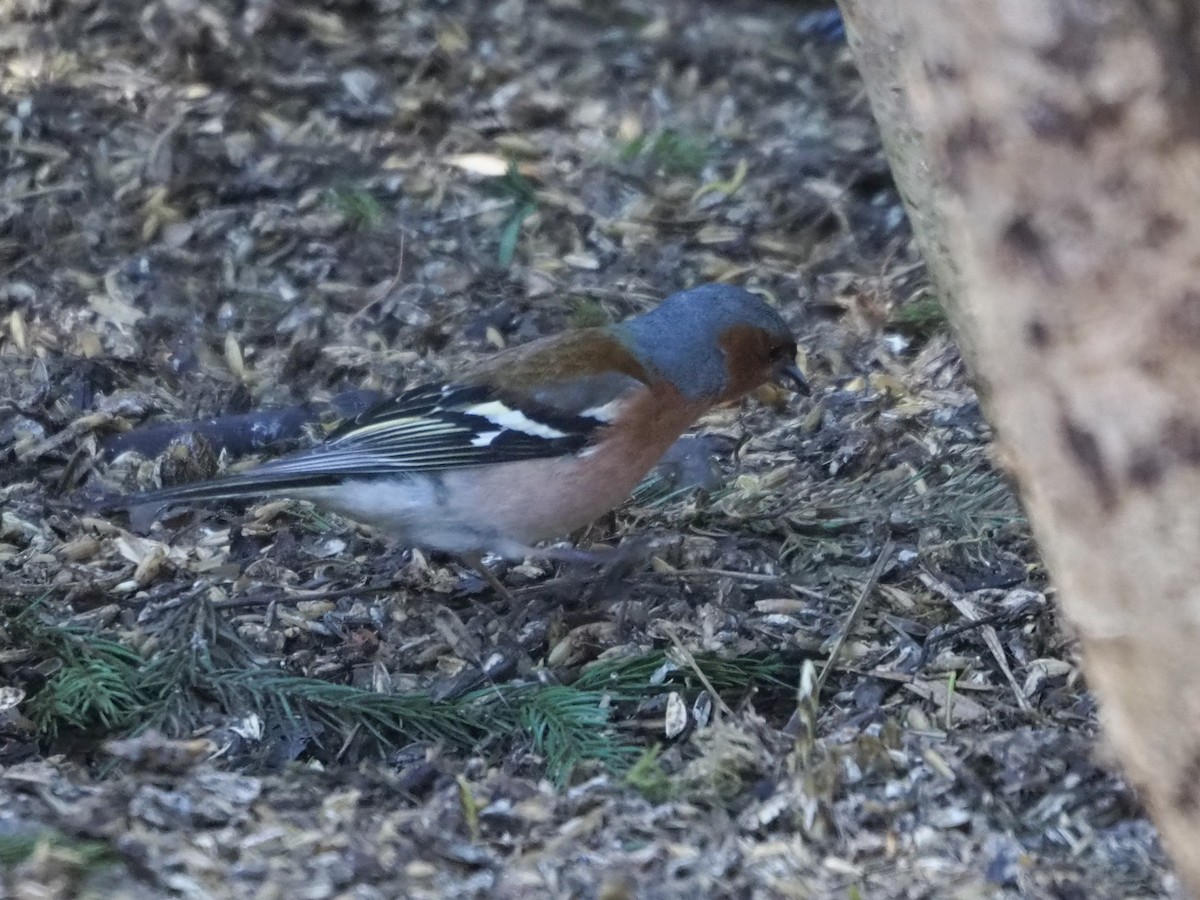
point(756, 577)
point(41, 192)
point(876, 570)
point(387, 291)
point(691, 663)
point(292, 595)
point(990, 637)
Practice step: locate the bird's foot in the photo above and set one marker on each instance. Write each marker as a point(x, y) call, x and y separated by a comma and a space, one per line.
point(475, 561)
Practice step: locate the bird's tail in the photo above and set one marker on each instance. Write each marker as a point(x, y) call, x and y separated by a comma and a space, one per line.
point(293, 476)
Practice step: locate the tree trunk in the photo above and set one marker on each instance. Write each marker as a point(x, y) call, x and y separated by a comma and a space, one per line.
point(1049, 153)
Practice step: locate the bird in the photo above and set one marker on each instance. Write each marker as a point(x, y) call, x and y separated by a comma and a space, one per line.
point(538, 440)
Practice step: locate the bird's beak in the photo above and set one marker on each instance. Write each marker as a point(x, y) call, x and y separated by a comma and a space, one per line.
point(791, 376)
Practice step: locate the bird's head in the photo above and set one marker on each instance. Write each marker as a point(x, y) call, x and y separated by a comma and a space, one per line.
point(714, 342)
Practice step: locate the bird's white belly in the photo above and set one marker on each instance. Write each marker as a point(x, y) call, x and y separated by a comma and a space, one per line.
point(503, 509)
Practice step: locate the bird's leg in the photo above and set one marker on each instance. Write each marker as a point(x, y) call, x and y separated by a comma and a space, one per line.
point(575, 562)
point(622, 559)
point(475, 561)
point(575, 556)
point(615, 564)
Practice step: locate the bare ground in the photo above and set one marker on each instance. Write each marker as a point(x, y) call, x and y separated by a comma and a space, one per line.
point(208, 208)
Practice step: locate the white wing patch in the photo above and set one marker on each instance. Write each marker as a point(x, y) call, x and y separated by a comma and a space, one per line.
point(606, 413)
point(511, 419)
point(432, 428)
point(485, 438)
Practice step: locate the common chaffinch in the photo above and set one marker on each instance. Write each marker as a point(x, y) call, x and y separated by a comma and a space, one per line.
point(539, 440)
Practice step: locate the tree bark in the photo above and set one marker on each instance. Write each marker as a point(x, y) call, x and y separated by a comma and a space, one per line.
point(1049, 154)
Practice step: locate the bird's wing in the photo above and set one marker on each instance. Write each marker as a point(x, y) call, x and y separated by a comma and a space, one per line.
point(432, 428)
point(442, 427)
point(548, 398)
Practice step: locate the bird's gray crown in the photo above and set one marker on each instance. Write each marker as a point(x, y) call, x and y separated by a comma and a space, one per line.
point(680, 338)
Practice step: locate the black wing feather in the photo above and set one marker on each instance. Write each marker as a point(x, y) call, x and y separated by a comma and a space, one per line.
point(429, 428)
